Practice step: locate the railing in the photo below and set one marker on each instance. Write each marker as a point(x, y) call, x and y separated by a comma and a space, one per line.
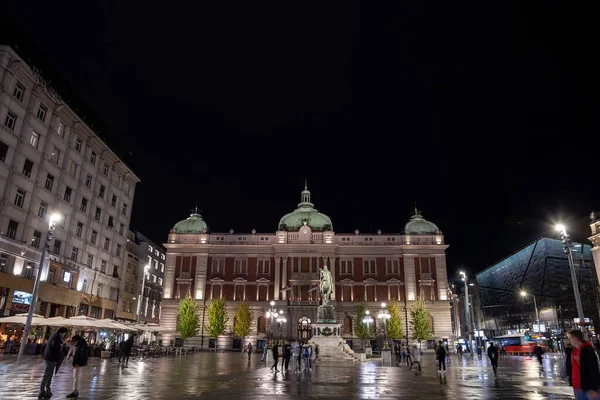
point(425, 276)
point(184, 275)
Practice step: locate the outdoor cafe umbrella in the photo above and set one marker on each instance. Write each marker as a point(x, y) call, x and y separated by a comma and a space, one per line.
point(22, 319)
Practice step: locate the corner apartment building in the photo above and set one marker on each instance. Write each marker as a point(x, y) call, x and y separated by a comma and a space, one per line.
point(142, 302)
point(52, 162)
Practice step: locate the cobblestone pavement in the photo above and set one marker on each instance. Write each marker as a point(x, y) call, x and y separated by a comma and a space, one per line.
point(230, 375)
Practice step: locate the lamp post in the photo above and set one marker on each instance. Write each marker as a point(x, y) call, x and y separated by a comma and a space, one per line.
point(271, 314)
point(141, 296)
point(537, 314)
point(564, 236)
point(467, 314)
point(368, 320)
point(54, 218)
point(384, 315)
point(281, 320)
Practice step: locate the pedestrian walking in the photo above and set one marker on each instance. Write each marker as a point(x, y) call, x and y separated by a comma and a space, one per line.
point(80, 359)
point(397, 351)
point(126, 347)
point(249, 350)
point(585, 375)
point(459, 350)
point(493, 355)
point(408, 357)
point(53, 354)
point(307, 354)
point(403, 353)
point(538, 352)
point(296, 350)
point(264, 352)
point(316, 348)
point(441, 357)
point(417, 360)
point(568, 368)
point(275, 351)
point(287, 354)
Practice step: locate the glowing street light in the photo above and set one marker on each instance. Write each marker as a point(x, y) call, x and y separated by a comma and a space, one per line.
point(384, 315)
point(537, 315)
point(272, 313)
point(54, 218)
point(368, 320)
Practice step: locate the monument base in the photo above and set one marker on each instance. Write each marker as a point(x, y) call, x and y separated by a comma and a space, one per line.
point(326, 314)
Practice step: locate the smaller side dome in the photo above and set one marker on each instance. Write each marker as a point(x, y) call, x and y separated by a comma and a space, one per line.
point(194, 224)
point(420, 226)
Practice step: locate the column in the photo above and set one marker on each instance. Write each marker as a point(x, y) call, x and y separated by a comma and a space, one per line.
point(277, 279)
point(441, 276)
point(410, 278)
point(375, 292)
point(388, 292)
point(234, 291)
point(244, 292)
point(221, 292)
point(332, 270)
point(365, 286)
point(284, 277)
point(200, 278)
point(257, 292)
point(352, 292)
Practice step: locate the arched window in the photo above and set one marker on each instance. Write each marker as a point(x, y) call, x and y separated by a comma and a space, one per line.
point(304, 328)
point(262, 324)
point(348, 325)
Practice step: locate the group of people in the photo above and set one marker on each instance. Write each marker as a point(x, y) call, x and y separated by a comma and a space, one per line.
point(404, 355)
point(302, 355)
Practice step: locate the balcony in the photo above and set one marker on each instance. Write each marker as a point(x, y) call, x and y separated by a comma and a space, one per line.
point(425, 277)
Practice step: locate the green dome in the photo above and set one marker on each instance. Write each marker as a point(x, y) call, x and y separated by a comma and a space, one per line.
point(194, 224)
point(420, 226)
point(305, 214)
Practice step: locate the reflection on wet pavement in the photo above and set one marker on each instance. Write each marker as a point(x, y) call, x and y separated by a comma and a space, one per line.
point(230, 375)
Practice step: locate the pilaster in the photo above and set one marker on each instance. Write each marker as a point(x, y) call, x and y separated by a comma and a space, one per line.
point(409, 275)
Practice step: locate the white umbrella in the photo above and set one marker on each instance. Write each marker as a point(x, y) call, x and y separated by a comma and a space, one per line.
point(54, 321)
point(112, 324)
point(82, 321)
point(22, 319)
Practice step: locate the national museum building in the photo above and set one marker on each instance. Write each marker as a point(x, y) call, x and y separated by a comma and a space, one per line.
point(283, 267)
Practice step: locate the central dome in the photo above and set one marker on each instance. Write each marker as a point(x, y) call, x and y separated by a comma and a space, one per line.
point(194, 224)
point(420, 226)
point(305, 214)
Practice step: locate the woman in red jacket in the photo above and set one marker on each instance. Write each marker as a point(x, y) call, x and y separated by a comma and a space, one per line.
point(585, 375)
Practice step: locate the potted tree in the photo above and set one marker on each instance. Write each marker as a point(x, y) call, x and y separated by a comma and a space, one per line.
point(188, 319)
point(242, 322)
point(217, 319)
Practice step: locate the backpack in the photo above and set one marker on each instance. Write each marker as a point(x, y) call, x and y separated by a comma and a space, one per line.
point(306, 352)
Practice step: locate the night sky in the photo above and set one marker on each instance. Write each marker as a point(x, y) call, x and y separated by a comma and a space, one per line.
point(482, 114)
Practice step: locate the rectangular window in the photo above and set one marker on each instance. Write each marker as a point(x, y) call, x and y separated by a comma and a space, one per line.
point(159, 281)
point(264, 267)
point(94, 237)
point(103, 266)
point(369, 267)
point(43, 210)
point(98, 214)
point(63, 220)
point(101, 191)
point(49, 182)
point(74, 253)
point(111, 224)
point(118, 252)
point(127, 189)
point(84, 204)
point(3, 151)
point(10, 121)
point(346, 267)
point(425, 265)
point(162, 267)
point(34, 139)
point(60, 129)
point(90, 260)
point(106, 244)
point(79, 229)
point(93, 158)
point(68, 192)
point(27, 168)
point(41, 112)
point(84, 286)
point(78, 144)
point(37, 238)
point(121, 228)
point(29, 270)
point(55, 156)
point(241, 266)
point(73, 168)
point(88, 181)
point(392, 267)
point(50, 277)
point(99, 290)
point(113, 201)
point(20, 198)
point(218, 266)
point(155, 264)
point(57, 246)
point(124, 209)
point(105, 169)
point(19, 92)
point(3, 262)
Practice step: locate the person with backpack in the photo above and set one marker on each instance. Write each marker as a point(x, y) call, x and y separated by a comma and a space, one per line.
point(493, 356)
point(249, 350)
point(441, 357)
point(307, 354)
point(53, 353)
point(80, 359)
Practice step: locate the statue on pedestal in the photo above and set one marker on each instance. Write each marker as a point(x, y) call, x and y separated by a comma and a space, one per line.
point(325, 285)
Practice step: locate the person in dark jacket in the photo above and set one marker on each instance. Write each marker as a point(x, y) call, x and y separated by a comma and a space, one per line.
point(275, 351)
point(538, 352)
point(80, 359)
point(568, 352)
point(493, 356)
point(126, 347)
point(441, 356)
point(585, 375)
point(52, 355)
point(287, 354)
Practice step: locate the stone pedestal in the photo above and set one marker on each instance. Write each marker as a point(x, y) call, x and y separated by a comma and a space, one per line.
point(327, 337)
point(386, 357)
point(326, 315)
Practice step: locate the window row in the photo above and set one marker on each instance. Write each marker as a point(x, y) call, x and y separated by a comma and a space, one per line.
point(263, 267)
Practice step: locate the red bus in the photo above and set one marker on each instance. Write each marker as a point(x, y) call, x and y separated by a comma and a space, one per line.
point(515, 344)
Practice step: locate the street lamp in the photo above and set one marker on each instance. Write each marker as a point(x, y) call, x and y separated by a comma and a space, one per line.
point(564, 236)
point(281, 320)
point(537, 314)
point(271, 314)
point(368, 320)
point(467, 314)
point(141, 297)
point(384, 315)
point(54, 218)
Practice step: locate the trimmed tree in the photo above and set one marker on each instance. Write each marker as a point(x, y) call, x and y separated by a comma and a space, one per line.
point(188, 319)
point(420, 324)
point(217, 318)
point(359, 326)
point(242, 321)
point(394, 324)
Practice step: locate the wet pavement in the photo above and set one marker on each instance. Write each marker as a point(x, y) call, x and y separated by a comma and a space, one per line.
point(230, 375)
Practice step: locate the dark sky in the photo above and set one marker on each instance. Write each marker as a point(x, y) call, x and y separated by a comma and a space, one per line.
point(481, 113)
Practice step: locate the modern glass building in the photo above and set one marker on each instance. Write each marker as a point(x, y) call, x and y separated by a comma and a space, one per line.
point(540, 269)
